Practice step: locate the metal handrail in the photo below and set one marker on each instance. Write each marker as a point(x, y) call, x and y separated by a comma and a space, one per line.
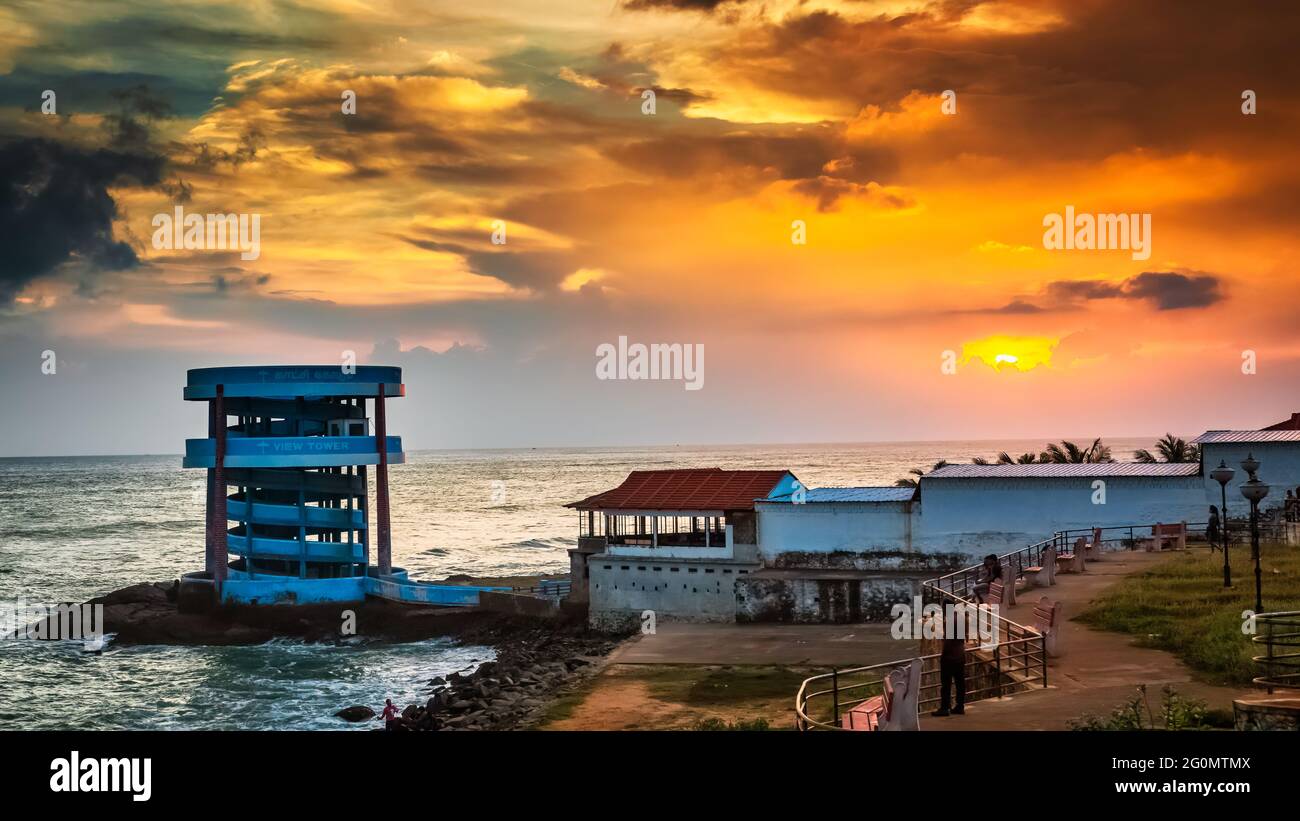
point(1025, 656)
point(958, 586)
point(1278, 671)
point(1023, 651)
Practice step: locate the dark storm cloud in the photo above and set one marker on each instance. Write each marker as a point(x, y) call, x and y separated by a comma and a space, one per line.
point(817, 155)
point(679, 5)
point(1166, 290)
point(157, 32)
point(1072, 290)
point(55, 206)
point(541, 270)
point(1100, 78)
point(1170, 291)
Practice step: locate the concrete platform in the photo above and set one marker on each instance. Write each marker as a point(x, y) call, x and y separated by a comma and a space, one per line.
point(821, 645)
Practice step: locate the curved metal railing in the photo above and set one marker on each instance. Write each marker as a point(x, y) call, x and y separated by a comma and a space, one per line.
point(1278, 632)
point(1016, 657)
point(1021, 652)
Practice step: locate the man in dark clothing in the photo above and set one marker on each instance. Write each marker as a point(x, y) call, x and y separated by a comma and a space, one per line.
point(952, 671)
point(989, 572)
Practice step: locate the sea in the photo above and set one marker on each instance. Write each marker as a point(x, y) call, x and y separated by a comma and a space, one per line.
point(72, 528)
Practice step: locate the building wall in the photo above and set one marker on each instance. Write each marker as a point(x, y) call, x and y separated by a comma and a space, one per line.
point(979, 516)
point(621, 588)
point(972, 517)
point(828, 527)
point(1279, 466)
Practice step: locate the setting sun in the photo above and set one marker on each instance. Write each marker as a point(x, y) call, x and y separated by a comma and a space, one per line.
point(1021, 352)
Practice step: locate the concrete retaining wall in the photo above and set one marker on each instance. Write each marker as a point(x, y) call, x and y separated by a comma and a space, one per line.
point(518, 604)
point(620, 589)
point(810, 599)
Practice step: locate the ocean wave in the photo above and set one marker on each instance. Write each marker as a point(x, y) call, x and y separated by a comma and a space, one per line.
point(555, 543)
point(125, 527)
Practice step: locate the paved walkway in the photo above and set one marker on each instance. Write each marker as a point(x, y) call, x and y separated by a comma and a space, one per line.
point(1097, 672)
point(816, 645)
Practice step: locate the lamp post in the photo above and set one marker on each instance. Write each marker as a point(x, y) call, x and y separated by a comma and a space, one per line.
point(1254, 490)
point(1223, 475)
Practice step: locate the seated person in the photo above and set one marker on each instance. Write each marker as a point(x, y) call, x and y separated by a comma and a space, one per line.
point(989, 571)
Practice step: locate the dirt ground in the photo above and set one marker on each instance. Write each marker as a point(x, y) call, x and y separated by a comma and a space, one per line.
point(676, 697)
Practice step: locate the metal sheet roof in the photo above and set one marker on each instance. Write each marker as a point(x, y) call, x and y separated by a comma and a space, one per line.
point(686, 489)
point(826, 495)
point(1089, 470)
point(1217, 436)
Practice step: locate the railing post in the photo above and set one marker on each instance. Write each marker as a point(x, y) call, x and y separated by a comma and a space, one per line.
point(1268, 665)
point(835, 694)
point(997, 669)
point(1042, 641)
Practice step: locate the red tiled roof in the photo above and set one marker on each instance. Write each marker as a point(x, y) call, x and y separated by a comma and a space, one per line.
point(686, 489)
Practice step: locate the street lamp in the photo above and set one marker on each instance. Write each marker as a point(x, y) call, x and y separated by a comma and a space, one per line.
point(1254, 490)
point(1223, 475)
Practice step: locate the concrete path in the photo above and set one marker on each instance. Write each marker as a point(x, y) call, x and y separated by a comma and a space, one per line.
point(817, 645)
point(1098, 671)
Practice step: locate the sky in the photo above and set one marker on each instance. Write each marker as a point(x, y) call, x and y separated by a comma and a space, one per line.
point(843, 203)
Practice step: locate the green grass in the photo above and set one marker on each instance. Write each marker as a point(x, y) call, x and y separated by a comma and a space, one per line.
point(564, 705)
point(718, 724)
point(721, 686)
point(1182, 607)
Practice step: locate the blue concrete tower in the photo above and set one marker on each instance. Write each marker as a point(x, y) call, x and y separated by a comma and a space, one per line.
point(287, 514)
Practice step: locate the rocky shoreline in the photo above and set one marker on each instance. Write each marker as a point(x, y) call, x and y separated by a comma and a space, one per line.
point(148, 614)
point(536, 662)
point(537, 659)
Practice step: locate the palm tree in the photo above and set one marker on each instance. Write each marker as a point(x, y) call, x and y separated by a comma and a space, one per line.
point(1169, 449)
point(918, 473)
point(1069, 453)
point(1005, 458)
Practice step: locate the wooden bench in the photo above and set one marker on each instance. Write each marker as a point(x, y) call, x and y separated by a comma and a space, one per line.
point(1047, 623)
point(1009, 578)
point(1043, 574)
point(1161, 534)
point(996, 593)
point(1072, 561)
point(1093, 550)
point(895, 708)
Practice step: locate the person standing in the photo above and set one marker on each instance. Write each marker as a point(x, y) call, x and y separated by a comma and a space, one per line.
point(389, 715)
point(952, 672)
point(1212, 529)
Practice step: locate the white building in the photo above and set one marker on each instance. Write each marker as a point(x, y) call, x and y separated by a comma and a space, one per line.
point(846, 554)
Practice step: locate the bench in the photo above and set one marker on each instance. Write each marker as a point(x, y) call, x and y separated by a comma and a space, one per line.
point(895, 708)
point(1009, 578)
point(996, 593)
point(1043, 574)
point(1162, 533)
point(1072, 561)
point(1047, 623)
point(1093, 550)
